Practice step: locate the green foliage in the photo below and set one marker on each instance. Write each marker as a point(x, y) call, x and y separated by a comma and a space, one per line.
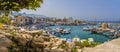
point(50, 46)
point(12, 33)
point(17, 5)
point(74, 49)
point(89, 44)
point(64, 45)
point(85, 44)
point(0, 25)
point(40, 32)
point(5, 19)
point(93, 44)
point(77, 44)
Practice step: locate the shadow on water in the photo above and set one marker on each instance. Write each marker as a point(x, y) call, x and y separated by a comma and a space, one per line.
point(107, 36)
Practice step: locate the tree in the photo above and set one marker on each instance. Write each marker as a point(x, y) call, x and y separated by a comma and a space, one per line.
point(16, 5)
point(5, 19)
point(0, 25)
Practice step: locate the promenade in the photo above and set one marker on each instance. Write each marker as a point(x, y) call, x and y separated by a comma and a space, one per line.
point(111, 46)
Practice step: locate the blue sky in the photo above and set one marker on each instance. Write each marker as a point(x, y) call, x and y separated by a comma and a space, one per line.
point(108, 10)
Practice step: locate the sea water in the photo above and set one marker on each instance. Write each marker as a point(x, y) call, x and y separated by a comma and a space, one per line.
point(78, 31)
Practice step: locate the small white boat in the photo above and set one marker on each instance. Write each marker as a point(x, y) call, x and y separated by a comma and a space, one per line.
point(59, 29)
point(66, 31)
point(63, 31)
point(87, 28)
point(76, 39)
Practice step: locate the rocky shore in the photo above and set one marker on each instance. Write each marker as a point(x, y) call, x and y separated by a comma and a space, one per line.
point(12, 39)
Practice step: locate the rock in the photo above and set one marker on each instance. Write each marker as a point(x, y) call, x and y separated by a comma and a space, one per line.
point(26, 36)
point(37, 42)
point(16, 50)
point(39, 50)
point(79, 50)
point(118, 34)
point(46, 49)
point(47, 43)
point(23, 39)
point(30, 50)
point(46, 34)
point(57, 50)
point(3, 49)
point(46, 38)
point(4, 41)
point(6, 34)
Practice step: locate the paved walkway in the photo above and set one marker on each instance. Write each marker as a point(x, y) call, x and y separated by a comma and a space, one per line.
point(111, 46)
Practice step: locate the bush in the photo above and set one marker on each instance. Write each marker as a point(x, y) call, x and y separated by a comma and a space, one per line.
point(93, 44)
point(5, 19)
point(12, 33)
point(74, 49)
point(89, 44)
point(85, 44)
point(63, 45)
point(77, 44)
point(40, 32)
point(0, 25)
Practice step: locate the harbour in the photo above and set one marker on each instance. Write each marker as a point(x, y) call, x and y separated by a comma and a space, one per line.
point(78, 30)
point(59, 26)
point(82, 31)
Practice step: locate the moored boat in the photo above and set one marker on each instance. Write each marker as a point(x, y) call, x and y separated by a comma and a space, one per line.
point(66, 31)
point(63, 30)
point(87, 28)
point(93, 31)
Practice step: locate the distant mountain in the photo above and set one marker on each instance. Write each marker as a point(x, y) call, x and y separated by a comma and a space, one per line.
point(29, 15)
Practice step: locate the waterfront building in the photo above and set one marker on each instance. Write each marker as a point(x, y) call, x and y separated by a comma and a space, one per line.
point(22, 20)
point(70, 20)
point(104, 25)
point(26, 20)
point(38, 19)
point(44, 20)
point(34, 20)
